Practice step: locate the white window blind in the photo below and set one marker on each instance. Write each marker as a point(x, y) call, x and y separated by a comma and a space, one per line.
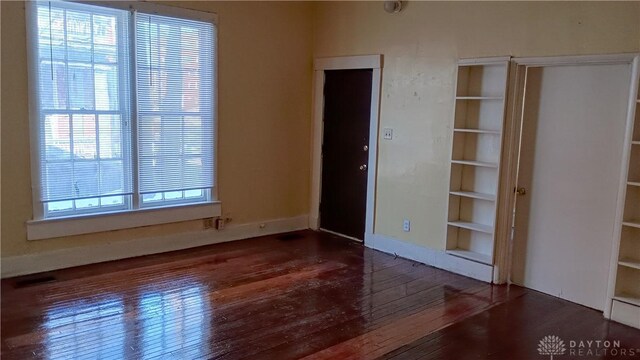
point(81, 61)
point(175, 100)
point(125, 119)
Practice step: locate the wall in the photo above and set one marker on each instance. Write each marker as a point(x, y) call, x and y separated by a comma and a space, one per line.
point(265, 69)
point(420, 47)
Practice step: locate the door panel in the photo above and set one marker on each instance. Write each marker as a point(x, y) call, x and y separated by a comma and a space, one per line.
point(572, 137)
point(347, 110)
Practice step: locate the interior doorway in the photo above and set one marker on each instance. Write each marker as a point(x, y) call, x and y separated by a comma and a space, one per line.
point(345, 142)
point(345, 150)
point(573, 123)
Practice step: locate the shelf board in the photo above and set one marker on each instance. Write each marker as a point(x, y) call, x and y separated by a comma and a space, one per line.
point(628, 298)
point(635, 142)
point(474, 195)
point(472, 226)
point(635, 224)
point(470, 255)
point(628, 262)
point(477, 131)
point(475, 163)
point(478, 97)
point(633, 183)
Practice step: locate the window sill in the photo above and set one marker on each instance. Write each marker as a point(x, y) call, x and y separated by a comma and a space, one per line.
point(87, 224)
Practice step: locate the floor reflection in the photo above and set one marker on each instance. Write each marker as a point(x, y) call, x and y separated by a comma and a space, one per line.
point(171, 322)
point(86, 330)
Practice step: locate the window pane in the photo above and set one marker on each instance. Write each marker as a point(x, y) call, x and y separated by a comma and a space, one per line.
point(60, 205)
point(193, 193)
point(152, 197)
point(106, 87)
point(85, 178)
point(110, 136)
point(193, 134)
point(173, 195)
point(84, 136)
point(57, 139)
point(111, 177)
point(87, 203)
point(80, 86)
point(53, 85)
point(112, 200)
point(51, 33)
point(59, 180)
point(78, 36)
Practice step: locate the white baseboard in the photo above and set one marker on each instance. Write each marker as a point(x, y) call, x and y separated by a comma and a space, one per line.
point(65, 258)
point(435, 258)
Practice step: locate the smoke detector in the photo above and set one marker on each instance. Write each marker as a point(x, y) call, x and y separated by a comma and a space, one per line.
point(393, 7)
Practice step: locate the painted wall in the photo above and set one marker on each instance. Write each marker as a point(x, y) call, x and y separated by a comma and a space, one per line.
point(265, 69)
point(420, 47)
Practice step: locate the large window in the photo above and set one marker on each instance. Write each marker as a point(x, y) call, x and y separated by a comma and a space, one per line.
point(125, 109)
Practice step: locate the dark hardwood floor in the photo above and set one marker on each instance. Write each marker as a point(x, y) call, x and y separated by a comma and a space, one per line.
point(315, 296)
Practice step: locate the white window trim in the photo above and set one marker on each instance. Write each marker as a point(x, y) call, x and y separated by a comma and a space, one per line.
point(41, 228)
point(93, 223)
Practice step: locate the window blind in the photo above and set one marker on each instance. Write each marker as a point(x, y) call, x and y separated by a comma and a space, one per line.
point(175, 113)
point(81, 60)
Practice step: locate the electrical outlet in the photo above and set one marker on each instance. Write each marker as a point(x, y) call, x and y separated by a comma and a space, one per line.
point(387, 133)
point(220, 222)
point(406, 225)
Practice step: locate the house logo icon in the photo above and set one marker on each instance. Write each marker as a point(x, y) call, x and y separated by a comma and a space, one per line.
point(551, 345)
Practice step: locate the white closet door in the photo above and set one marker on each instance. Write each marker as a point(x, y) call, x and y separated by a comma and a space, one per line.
point(573, 130)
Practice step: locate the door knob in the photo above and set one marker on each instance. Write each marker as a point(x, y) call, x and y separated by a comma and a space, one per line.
point(363, 167)
point(365, 148)
point(521, 191)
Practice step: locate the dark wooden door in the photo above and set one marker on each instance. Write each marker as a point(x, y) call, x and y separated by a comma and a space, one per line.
point(347, 110)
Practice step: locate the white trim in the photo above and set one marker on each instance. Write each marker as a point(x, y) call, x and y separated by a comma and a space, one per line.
point(87, 224)
point(436, 258)
point(77, 256)
point(348, 62)
point(600, 59)
point(624, 171)
point(157, 9)
point(497, 60)
point(373, 62)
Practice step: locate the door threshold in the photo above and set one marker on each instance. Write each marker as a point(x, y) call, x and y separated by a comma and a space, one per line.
point(341, 235)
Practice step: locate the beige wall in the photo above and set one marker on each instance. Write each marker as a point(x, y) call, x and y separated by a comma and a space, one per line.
point(265, 82)
point(264, 111)
point(421, 45)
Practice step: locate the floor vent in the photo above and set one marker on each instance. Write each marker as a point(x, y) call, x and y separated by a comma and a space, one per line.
point(34, 280)
point(290, 236)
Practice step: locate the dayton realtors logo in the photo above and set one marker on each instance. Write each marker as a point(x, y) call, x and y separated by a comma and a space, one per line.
point(552, 345)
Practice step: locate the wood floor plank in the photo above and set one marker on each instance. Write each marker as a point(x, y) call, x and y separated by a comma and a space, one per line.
point(318, 296)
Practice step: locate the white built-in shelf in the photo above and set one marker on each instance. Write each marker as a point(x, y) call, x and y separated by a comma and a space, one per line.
point(475, 163)
point(635, 224)
point(472, 226)
point(470, 255)
point(628, 298)
point(478, 97)
point(478, 131)
point(628, 262)
point(633, 183)
point(474, 195)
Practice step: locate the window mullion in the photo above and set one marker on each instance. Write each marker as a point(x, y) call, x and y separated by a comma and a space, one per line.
point(133, 98)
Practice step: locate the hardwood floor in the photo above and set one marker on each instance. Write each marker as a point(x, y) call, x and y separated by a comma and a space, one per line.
point(315, 296)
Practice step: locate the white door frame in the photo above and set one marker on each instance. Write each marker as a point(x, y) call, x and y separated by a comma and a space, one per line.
point(375, 63)
point(520, 67)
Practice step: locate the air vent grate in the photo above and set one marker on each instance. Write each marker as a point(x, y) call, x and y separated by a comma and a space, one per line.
point(34, 280)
